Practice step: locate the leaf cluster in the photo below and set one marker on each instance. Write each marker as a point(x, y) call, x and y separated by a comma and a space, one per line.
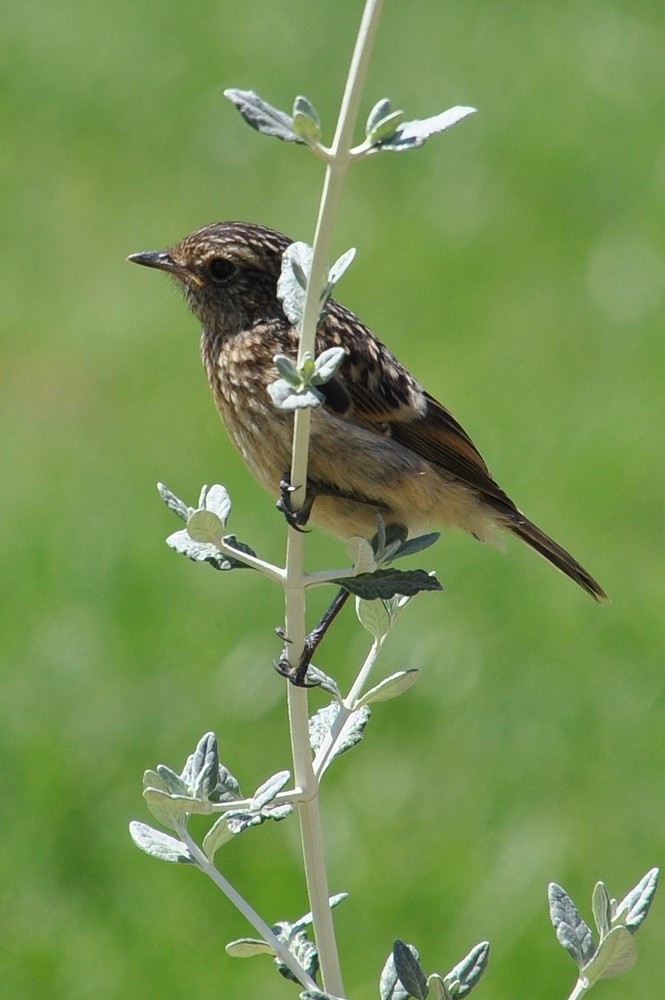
point(385, 129)
point(204, 540)
point(375, 578)
point(403, 975)
point(616, 923)
point(204, 786)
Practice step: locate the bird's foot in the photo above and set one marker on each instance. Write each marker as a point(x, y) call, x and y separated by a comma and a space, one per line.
point(298, 674)
point(296, 519)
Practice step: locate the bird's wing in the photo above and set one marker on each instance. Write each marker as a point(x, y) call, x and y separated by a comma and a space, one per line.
point(374, 389)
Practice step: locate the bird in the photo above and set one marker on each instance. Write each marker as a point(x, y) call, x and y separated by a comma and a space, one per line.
point(380, 443)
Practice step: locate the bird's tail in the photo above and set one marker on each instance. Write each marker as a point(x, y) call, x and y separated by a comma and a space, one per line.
point(557, 555)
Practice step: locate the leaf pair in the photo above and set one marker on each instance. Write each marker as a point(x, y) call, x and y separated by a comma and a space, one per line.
point(302, 126)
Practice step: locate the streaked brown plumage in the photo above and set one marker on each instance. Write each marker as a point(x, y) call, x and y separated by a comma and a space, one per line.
point(379, 444)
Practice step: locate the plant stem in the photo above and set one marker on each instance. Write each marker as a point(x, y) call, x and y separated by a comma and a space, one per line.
point(360, 681)
point(327, 748)
point(275, 573)
point(308, 812)
point(581, 987)
point(250, 914)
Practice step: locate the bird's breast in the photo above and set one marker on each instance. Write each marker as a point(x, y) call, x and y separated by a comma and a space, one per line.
point(240, 369)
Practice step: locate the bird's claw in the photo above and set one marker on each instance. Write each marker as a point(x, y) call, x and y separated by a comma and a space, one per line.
point(296, 675)
point(296, 519)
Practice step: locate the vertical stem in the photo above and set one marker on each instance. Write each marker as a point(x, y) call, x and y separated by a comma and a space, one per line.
point(310, 820)
point(328, 208)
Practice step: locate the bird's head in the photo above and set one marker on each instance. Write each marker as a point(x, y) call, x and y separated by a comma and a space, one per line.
point(228, 272)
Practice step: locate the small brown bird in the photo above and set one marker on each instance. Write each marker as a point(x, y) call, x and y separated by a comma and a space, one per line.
point(380, 444)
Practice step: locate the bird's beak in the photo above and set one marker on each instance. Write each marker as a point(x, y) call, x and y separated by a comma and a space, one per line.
point(155, 258)
point(163, 261)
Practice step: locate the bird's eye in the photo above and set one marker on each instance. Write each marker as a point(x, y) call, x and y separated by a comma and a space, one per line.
point(220, 268)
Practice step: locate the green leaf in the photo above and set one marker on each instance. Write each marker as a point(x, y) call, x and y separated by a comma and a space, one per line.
point(387, 538)
point(201, 767)
point(248, 948)
point(394, 606)
point(217, 835)
point(466, 973)
point(380, 111)
point(292, 281)
point(269, 789)
point(438, 989)
point(571, 931)
point(306, 121)
point(373, 616)
point(317, 678)
point(263, 116)
point(327, 364)
point(167, 780)
point(287, 369)
point(178, 506)
point(239, 821)
point(390, 687)
point(633, 909)
point(308, 918)
point(361, 554)
point(159, 845)
point(203, 782)
point(602, 911)
point(616, 954)
point(285, 397)
point(208, 552)
point(352, 732)
point(259, 810)
point(227, 788)
point(390, 987)
point(181, 542)
point(171, 809)
point(411, 135)
point(409, 971)
point(303, 950)
point(413, 545)
point(216, 499)
point(385, 128)
point(338, 269)
point(201, 770)
point(386, 583)
point(206, 527)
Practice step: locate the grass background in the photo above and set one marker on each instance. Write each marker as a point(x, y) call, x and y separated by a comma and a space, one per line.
point(517, 265)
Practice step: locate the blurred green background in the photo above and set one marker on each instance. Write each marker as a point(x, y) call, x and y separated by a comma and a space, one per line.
point(517, 265)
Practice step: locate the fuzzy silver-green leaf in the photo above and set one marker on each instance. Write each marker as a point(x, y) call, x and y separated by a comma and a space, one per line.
point(206, 527)
point(616, 954)
point(159, 845)
point(306, 121)
point(262, 116)
point(390, 687)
